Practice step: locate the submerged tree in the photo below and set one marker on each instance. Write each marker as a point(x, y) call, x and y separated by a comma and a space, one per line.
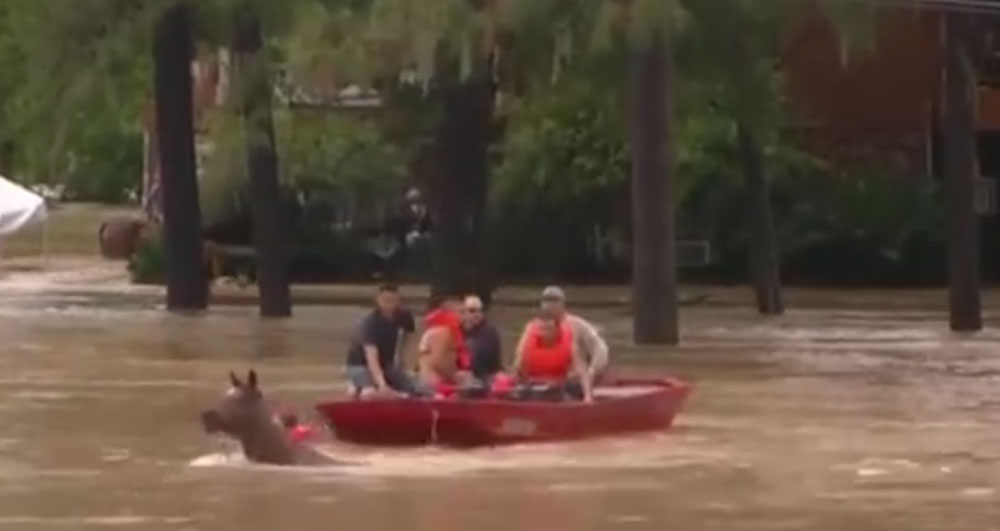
point(173, 50)
point(654, 263)
point(960, 92)
point(458, 175)
point(270, 228)
point(731, 48)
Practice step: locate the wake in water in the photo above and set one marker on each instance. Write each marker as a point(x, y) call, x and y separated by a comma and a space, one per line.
point(655, 451)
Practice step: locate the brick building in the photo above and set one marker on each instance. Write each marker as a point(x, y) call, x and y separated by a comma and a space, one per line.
point(879, 106)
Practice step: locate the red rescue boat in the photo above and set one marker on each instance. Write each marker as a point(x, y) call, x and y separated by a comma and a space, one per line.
point(625, 406)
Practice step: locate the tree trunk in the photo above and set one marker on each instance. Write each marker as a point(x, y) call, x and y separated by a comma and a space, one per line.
point(459, 185)
point(654, 263)
point(6, 158)
point(187, 288)
point(270, 228)
point(764, 266)
point(959, 174)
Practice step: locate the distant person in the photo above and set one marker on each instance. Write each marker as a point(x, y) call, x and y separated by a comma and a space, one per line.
point(373, 358)
point(417, 216)
point(588, 343)
point(482, 340)
point(548, 355)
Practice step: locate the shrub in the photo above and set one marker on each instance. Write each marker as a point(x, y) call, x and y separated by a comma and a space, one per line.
point(148, 264)
point(862, 229)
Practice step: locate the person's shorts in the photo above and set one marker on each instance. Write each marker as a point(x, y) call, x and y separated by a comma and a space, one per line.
point(361, 379)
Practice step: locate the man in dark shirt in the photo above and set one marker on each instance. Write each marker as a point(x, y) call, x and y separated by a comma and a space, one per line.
point(372, 361)
point(482, 340)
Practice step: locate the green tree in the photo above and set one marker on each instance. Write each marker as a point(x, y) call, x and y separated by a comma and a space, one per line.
point(77, 50)
point(12, 59)
point(732, 48)
point(443, 52)
point(91, 47)
point(563, 175)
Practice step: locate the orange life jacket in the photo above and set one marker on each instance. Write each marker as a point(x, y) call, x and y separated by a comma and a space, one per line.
point(300, 433)
point(453, 322)
point(547, 362)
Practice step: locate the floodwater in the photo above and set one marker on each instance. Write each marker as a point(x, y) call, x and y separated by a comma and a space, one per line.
point(820, 420)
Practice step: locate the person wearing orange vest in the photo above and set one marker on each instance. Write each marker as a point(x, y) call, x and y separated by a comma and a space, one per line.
point(444, 359)
point(548, 355)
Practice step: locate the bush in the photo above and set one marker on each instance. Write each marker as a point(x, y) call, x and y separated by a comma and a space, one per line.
point(148, 265)
point(861, 230)
point(857, 228)
point(328, 256)
point(106, 164)
point(563, 178)
point(346, 157)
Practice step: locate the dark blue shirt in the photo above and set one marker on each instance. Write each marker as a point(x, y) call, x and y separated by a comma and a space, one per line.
point(483, 343)
point(382, 332)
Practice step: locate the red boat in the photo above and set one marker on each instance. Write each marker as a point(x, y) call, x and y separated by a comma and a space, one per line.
point(626, 406)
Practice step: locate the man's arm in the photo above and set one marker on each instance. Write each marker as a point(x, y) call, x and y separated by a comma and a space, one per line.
point(374, 367)
point(522, 343)
point(584, 373)
point(369, 343)
point(596, 349)
point(404, 358)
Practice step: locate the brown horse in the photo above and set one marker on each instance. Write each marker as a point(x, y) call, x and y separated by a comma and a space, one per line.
point(243, 415)
point(119, 237)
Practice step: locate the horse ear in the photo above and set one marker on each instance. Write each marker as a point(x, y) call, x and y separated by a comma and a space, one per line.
point(234, 380)
point(252, 379)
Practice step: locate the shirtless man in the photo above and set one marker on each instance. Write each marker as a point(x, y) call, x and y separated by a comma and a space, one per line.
point(443, 357)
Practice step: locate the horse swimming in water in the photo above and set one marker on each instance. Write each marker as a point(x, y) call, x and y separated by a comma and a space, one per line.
point(243, 415)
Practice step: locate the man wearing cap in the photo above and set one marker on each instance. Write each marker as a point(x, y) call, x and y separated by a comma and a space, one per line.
point(587, 342)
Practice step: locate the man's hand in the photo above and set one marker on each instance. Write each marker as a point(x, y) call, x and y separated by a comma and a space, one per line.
point(588, 387)
point(387, 392)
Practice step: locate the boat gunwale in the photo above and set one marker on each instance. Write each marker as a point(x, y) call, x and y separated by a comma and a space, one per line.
point(665, 386)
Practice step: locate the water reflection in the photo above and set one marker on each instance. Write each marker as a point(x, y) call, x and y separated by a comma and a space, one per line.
point(824, 419)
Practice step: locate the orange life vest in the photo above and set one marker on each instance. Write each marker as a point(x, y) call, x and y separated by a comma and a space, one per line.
point(547, 362)
point(300, 433)
point(453, 322)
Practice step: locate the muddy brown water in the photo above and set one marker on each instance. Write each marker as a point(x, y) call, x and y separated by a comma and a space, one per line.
point(821, 420)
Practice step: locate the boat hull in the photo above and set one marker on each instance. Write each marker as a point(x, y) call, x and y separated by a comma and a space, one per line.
point(626, 406)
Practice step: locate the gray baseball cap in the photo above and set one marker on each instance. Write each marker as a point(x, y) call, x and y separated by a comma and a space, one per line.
point(553, 293)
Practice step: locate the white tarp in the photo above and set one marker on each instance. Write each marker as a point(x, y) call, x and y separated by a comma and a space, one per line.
point(19, 208)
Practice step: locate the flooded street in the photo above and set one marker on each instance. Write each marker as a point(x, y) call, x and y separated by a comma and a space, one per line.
point(826, 419)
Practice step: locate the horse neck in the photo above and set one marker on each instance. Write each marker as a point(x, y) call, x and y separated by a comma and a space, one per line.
point(265, 441)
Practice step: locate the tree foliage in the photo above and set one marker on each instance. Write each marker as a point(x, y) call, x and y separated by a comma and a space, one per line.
point(73, 92)
point(347, 157)
point(77, 79)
